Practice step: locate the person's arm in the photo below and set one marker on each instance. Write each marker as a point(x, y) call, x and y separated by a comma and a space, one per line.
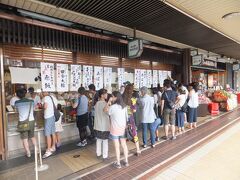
point(106, 108)
point(75, 104)
point(162, 106)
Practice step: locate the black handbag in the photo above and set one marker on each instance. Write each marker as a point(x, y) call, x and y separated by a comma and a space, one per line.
point(184, 108)
point(56, 112)
point(24, 125)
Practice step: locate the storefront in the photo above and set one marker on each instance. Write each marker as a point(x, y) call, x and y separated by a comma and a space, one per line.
point(32, 53)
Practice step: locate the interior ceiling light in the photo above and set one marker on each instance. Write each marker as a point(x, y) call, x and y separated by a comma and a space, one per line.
point(231, 15)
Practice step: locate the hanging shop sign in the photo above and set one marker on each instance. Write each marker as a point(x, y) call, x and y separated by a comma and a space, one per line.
point(197, 60)
point(194, 52)
point(155, 78)
point(135, 48)
point(75, 77)
point(62, 77)
point(209, 63)
point(98, 77)
point(137, 78)
point(143, 78)
point(87, 76)
point(48, 77)
point(236, 67)
point(107, 77)
point(149, 78)
point(121, 76)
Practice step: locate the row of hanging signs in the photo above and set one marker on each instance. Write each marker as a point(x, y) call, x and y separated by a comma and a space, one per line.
point(62, 80)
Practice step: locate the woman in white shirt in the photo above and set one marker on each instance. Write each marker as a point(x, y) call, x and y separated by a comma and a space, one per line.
point(101, 125)
point(181, 99)
point(118, 117)
point(193, 104)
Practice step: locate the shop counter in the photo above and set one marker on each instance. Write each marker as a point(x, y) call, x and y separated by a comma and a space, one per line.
point(13, 140)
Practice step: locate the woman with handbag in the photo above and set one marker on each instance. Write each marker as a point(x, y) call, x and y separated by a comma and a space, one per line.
point(118, 117)
point(131, 105)
point(181, 99)
point(26, 122)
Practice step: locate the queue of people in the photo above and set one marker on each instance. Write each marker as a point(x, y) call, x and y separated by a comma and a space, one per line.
point(115, 116)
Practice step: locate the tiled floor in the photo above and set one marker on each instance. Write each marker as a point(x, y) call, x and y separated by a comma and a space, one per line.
point(64, 164)
point(217, 160)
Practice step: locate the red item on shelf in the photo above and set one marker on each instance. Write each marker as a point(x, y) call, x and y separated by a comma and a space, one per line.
point(238, 98)
point(213, 108)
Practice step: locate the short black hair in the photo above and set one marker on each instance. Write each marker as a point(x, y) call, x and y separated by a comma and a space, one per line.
point(101, 92)
point(59, 107)
point(167, 83)
point(21, 93)
point(92, 87)
point(81, 90)
point(31, 90)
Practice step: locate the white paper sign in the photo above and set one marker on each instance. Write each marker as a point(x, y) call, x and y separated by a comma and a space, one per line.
point(87, 76)
point(149, 78)
point(161, 78)
point(75, 79)
point(121, 77)
point(107, 77)
point(137, 78)
point(143, 78)
point(48, 77)
point(155, 78)
point(169, 73)
point(62, 77)
point(165, 75)
point(98, 77)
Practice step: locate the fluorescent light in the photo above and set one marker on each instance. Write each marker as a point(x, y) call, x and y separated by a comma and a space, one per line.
point(53, 50)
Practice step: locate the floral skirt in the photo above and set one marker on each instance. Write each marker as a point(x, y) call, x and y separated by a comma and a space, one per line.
point(102, 134)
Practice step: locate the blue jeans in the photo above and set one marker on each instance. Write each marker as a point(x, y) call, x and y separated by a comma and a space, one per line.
point(180, 118)
point(145, 127)
point(192, 115)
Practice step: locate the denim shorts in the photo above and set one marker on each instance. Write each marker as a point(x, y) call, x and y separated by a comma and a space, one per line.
point(49, 126)
point(113, 137)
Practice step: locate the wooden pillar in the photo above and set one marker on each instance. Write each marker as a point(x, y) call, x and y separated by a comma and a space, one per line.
point(186, 70)
point(2, 110)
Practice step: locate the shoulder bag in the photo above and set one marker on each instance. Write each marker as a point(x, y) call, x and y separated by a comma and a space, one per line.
point(56, 112)
point(24, 125)
point(170, 103)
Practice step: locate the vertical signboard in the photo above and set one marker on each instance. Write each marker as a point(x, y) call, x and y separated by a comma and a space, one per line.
point(98, 77)
point(62, 77)
point(75, 77)
point(87, 76)
point(48, 77)
point(121, 77)
point(149, 78)
point(155, 78)
point(107, 77)
point(137, 78)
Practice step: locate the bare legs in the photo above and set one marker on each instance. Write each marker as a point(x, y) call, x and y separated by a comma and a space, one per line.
point(51, 141)
point(26, 145)
point(117, 149)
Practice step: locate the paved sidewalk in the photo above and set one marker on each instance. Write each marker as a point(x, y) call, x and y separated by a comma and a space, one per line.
point(64, 164)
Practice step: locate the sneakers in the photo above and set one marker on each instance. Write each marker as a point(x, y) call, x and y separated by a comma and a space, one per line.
point(153, 146)
point(157, 139)
point(165, 138)
point(82, 144)
point(173, 138)
point(28, 154)
point(144, 146)
point(47, 154)
point(125, 164)
point(116, 165)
